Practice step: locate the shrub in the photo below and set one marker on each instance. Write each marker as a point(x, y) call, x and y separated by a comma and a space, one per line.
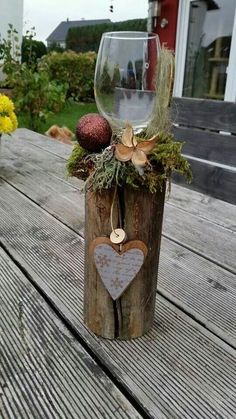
point(35, 95)
point(75, 69)
point(33, 92)
point(32, 49)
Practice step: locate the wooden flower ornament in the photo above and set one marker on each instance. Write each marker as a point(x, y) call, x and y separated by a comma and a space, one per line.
point(131, 149)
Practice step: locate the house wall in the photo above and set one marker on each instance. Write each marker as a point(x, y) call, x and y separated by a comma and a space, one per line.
point(11, 12)
point(61, 44)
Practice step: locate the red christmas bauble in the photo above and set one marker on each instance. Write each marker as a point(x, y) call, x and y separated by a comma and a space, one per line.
point(93, 132)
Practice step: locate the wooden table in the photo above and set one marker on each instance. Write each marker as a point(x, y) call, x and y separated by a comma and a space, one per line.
point(51, 365)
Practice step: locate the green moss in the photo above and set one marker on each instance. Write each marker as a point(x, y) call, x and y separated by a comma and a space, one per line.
point(78, 153)
point(168, 152)
point(103, 171)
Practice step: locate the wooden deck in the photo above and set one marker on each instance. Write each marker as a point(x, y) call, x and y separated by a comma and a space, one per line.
point(51, 366)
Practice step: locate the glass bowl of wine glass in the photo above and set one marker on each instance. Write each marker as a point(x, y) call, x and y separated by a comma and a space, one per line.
point(124, 84)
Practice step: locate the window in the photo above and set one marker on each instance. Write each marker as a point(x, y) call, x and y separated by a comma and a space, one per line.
point(205, 40)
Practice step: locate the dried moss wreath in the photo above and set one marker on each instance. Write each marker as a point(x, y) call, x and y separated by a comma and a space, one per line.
point(145, 160)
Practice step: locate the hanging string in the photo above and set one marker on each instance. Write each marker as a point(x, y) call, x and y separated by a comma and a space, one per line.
point(115, 195)
point(112, 207)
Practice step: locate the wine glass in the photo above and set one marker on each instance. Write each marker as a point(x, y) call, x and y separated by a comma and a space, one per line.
point(124, 82)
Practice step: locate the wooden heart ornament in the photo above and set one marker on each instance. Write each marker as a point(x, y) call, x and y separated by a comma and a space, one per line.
point(117, 269)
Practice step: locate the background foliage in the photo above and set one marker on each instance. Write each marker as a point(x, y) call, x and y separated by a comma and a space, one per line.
point(87, 38)
point(76, 69)
point(33, 93)
point(32, 49)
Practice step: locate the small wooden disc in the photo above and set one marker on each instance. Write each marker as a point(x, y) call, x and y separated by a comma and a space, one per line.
point(118, 236)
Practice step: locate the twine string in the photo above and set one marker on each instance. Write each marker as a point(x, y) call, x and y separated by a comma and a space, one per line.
point(112, 210)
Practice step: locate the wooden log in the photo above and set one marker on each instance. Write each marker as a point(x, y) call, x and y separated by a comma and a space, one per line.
point(132, 314)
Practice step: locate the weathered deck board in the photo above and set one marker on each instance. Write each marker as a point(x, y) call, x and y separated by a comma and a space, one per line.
point(45, 372)
point(64, 201)
point(208, 239)
point(61, 199)
point(19, 150)
point(178, 370)
point(202, 289)
point(16, 154)
point(212, 209)
point(206, 207)
point(209, 246)
point(194, 202)
point(182, 277)
point(55, 147)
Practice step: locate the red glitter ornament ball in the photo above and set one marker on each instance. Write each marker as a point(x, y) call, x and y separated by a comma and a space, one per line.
point(93, 132)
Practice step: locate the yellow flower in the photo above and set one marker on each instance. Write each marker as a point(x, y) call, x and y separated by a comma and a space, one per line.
point(13, 119)
point(8, 119)
point(6, 125)
point(131, 149)
point(6, 105)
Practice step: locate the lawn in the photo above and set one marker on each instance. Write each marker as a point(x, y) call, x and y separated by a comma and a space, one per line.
point(68, 117)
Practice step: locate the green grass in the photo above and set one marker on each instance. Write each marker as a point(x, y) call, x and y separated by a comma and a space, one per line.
point(68, 116)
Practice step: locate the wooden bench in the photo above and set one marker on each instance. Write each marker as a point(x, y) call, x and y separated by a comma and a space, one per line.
point(208, 128)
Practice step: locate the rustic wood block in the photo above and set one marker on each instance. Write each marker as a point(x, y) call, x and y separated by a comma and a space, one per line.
point(132, 314)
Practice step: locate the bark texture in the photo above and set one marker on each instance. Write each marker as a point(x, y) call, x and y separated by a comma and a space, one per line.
point(142, 213)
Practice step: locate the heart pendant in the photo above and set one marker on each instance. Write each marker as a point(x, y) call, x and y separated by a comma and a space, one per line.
point(117, 269)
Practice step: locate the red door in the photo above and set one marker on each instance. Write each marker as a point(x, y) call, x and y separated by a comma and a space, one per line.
point(167, 23)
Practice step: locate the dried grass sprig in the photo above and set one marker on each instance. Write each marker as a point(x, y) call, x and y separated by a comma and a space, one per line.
point(164, 79)
point(106, 169)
